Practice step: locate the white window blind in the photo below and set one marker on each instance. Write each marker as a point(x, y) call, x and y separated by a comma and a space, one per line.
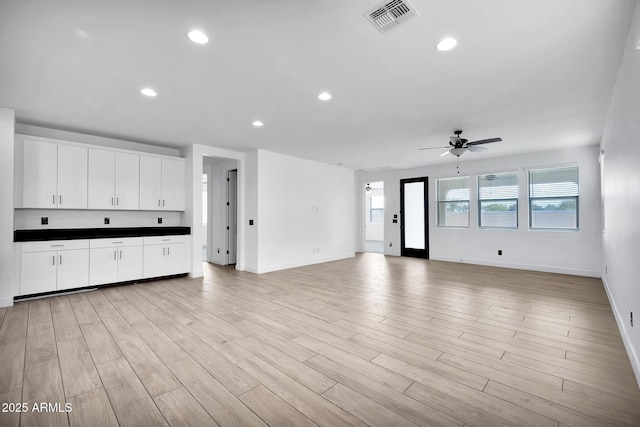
point(553, 198)
point(453, 201)
point(498, 200)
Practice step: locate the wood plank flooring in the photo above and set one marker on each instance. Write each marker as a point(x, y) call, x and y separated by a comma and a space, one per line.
point(372, 340)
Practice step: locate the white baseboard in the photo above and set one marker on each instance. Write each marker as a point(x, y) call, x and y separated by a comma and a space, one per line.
point(301, 263)
point(542, 268)
point(6, 302)
point(620, 320)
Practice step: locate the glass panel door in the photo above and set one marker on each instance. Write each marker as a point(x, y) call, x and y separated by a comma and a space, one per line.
point(413, 217)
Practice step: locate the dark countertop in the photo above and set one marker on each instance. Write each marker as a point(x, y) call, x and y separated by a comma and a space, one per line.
point(95, 233)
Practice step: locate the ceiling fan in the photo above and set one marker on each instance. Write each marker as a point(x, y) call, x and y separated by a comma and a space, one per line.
point(458, 146)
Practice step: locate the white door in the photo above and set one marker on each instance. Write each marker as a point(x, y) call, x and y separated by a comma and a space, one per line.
point(176, 259)
point(127, 181)
point(129, 263)
point(103, 266)
point(101, 179)
point(40, 175)
point(38, 272)
point(72, 177)
point(173, 187)
point(150, 183)
point(73, 268)
point(154, 260)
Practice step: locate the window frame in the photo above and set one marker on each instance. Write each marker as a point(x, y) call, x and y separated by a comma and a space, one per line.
point(456, 202)
point(576, 198)
point(513, 199)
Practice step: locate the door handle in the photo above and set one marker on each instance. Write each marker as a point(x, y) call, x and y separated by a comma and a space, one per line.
point(120, 254)
point(114, 254)
point(53, 200)
point(117, 201)
point(60, 199)
point(163, 251)
point(168, 248)
point(60, 259)
point(54, 260)
point(112, 201)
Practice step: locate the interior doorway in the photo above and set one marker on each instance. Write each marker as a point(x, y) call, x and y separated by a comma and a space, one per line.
point(220, 210)
point(414, 221)
point(374, 217)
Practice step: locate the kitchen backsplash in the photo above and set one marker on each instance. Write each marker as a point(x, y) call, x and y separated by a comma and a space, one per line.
point(60, 218)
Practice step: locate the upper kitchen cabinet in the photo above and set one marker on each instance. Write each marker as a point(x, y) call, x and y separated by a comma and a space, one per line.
point(54, 175)
point(162, 183)
point(114, 180)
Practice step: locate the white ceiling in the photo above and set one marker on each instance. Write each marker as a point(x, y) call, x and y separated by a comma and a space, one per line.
point(539, 74)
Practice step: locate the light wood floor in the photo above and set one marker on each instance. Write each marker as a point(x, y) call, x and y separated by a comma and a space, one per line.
point(372, 340)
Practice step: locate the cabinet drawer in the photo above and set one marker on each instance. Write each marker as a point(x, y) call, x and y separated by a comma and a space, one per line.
point(110, 243)
point(54, 245)
point(161, 240)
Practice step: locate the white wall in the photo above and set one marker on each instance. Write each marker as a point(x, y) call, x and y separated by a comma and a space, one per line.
point(621, 238)
point(572, 252)
point(305, 212)
point(251, 212)
point(7, 129)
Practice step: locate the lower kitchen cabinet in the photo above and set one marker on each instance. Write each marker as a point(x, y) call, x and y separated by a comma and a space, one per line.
point(54, 265)
point(115, 260)
point(165, 255)
point(48, 266)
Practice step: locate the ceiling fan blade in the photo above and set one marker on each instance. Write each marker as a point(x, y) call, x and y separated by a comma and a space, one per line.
point(453, 140)
point(445, 153)
point(432, 148)
point(484, 141)
point(474, 148)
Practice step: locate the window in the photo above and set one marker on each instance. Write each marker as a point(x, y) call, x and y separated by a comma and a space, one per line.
point(498, 200)
point(453, 202)
point(376, 209)
point(553, 198)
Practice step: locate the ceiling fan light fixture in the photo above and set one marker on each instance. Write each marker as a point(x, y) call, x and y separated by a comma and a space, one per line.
point(446, 44)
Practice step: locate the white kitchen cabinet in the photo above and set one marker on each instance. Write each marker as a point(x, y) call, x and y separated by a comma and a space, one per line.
point(54, 175)
point(127, 181)
point(165, 255)
point(113, 180)
point(162, 183)
point(115, 260)
point(102, 177)
point(54, 265)
point(173, 188)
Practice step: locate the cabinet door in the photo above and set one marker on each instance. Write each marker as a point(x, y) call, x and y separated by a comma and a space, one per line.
point(72, 177)
point(38, 272)
point(173, 188)
point(101, 179)
point(103, 266)
point(39, 176)
point(73, 269)
point(154, 260)
point(150, 183)
point(127, 181)
point(129, 263)
point(176, 259)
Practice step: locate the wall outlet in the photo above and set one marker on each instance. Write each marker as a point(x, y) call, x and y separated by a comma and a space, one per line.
point(44, 220)
point(499, 251)
point(159, 220)
point(107, 220)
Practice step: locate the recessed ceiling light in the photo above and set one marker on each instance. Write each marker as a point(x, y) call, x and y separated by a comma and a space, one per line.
point(198, 36)
point(257, 123)
point(324, 96)
point(147, 91)
point(446, 44)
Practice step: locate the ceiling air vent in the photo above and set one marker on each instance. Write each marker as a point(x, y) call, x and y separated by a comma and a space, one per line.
point(391, 13)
